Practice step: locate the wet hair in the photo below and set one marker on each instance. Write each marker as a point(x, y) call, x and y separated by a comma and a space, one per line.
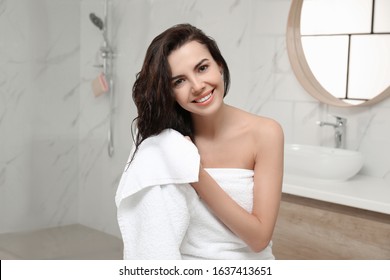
point(152, 91)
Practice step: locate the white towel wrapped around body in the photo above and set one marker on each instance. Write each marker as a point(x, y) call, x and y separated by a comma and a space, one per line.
point(160, 215)
point(207, 237)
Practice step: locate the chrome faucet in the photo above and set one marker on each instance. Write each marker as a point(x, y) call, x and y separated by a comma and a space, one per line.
point(339, 130)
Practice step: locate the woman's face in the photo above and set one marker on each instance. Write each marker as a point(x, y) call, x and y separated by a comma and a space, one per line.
point(197, 80)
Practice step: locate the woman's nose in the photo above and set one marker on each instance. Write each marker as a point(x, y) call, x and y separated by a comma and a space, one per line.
point(197, 85)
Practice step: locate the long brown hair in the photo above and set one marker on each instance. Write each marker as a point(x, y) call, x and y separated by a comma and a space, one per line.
point(152, 90)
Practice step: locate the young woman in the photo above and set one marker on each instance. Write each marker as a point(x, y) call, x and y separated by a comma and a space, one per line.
point(182, 86)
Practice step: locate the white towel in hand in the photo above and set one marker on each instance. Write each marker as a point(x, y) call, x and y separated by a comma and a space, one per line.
point(154, 197)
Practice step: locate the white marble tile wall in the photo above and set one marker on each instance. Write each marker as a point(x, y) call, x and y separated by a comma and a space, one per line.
point(39, 106)
point(57, 138)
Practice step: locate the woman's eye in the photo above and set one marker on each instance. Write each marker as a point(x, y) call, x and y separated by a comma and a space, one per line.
point(178, 82)
point(203, 68)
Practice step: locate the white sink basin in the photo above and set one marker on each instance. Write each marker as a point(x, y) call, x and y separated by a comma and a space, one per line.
point(323, 163)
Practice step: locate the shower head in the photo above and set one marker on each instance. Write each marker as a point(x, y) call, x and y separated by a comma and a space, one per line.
point(96, 21)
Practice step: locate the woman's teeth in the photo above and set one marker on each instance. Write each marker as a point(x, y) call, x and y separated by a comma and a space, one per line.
point(201, 100)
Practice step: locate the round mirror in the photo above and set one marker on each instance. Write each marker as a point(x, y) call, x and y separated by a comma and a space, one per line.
point(340, 49)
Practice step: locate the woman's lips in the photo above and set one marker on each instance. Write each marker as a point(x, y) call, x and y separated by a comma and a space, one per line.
point(204, 99)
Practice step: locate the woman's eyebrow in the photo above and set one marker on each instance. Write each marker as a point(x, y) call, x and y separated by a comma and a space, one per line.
point(200, 63)
point(195, 67)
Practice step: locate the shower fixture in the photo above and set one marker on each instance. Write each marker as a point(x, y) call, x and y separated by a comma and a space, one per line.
point(97, 21)
point(106, 54)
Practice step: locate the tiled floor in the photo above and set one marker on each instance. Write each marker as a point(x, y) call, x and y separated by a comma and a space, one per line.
point(73, 242)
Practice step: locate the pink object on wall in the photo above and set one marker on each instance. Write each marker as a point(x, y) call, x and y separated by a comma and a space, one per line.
point(99, 85)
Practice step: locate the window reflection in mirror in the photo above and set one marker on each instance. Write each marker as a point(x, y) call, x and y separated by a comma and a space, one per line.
point(381, 19)
point(369, 66)
point(336, 17)
point(327, 57)
point(346, 44)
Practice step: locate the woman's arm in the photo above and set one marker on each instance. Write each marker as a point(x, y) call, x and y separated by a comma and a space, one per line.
point(255, 228)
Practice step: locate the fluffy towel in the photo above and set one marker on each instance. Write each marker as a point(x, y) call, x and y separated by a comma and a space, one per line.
point(207, 237)
point(154, 198)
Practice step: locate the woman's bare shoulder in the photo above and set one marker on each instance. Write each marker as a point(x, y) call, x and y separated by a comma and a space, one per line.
point(259, 126)
point(265, 129)
point(267, 125)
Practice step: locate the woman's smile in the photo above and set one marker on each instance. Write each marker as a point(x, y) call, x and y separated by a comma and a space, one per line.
point(205, 99)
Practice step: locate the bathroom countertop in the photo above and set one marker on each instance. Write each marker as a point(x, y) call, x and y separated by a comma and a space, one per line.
point(362, 192)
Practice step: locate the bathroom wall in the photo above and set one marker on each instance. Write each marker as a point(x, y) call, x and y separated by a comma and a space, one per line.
point(39, 107)
point(54, 165)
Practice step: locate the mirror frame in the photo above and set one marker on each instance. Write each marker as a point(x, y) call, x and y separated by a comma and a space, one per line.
point(301, 67)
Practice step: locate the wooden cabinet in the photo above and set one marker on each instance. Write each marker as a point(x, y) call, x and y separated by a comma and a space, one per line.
point(309, 229)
